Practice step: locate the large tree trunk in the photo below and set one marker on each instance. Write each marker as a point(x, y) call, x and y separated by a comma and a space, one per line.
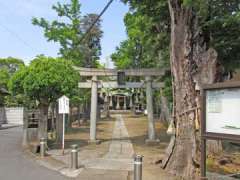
point(59, 126)
point(43, 121)
point(192, 64)
point(53, 125)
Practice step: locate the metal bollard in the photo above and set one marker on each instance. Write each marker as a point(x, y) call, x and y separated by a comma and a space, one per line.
point(42, 147)
point(138, 167)
point(74, 157)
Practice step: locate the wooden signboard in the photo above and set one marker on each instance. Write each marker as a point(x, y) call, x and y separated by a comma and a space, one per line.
point(220, 115)
point(63, 104)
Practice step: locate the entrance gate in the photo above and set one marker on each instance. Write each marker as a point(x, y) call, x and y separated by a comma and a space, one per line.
point(96, 84)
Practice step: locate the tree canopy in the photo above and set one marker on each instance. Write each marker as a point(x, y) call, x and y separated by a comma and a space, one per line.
point(45, 79)
point(8, 66)
point(148, 29)
point(199, 40)
point(83, 50)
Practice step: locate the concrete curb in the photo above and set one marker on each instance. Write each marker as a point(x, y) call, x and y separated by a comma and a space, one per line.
point(53, 164)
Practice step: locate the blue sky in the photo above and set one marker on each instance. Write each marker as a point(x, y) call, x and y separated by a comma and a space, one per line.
point(19, 38)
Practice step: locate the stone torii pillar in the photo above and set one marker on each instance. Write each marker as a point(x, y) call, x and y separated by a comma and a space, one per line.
point(151, 124)
point(93, 114)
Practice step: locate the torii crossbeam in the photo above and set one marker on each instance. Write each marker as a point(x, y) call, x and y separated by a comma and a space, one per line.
point(95, 84)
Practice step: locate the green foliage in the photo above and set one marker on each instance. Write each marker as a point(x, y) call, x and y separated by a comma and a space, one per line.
point(8, 66)
point(45, 80)
point(11, 64)
point(220, 22)
point(69, 34)
point(4, 77)
point(223, 27)
point(148, 29)
point(167, 90)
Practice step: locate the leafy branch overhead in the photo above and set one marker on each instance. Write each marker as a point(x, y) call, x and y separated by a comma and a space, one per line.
point(69, 32)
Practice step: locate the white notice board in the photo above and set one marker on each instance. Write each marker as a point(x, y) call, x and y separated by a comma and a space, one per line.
point(223, 111)
point(63, 105)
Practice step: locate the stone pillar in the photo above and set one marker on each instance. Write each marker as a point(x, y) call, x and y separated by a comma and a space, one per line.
point(93, 114)
point(106, 98)
point(141, 95)
point(151, 124)
point(118, 103)
point(101, 94)
point(111, 101)
point(136, 97)
point(125, 103)
point(131, 102)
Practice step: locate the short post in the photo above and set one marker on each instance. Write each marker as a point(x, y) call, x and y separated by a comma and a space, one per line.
point(74, 157)
point(42, 147)
point(138, 167)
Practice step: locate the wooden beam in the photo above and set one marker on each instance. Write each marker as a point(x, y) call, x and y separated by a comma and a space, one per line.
point(113, 72)
point(113, 84)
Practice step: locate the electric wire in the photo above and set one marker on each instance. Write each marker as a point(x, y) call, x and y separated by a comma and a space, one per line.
point(96, 20)
point(17, 37)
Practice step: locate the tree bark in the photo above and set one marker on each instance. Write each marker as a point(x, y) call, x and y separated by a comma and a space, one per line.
point(59, 126)
point(42, 125)
point(53, 117)
point(165, 112)
point(192, 64)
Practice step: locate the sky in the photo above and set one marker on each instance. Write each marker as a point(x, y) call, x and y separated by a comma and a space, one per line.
point(20, 39)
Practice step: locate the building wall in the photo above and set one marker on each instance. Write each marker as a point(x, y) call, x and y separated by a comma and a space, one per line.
point(14, 115)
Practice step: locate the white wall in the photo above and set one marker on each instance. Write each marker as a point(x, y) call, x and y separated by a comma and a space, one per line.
point(14, 115)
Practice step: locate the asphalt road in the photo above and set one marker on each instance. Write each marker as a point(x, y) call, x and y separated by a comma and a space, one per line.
point(15, 165)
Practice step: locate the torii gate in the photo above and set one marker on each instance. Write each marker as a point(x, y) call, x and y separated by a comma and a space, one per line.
point(95, 84)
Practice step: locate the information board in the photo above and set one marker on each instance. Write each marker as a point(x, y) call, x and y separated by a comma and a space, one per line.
point(223, 111)
point(63, 104)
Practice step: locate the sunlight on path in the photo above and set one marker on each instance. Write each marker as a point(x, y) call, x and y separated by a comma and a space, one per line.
point(120, 155)
point(120, 147)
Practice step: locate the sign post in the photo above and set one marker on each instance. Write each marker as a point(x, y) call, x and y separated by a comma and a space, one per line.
point(63, 104)
point(220, 115)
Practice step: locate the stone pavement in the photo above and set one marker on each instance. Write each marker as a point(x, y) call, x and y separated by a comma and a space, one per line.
point(115, 164)
point(120, 154)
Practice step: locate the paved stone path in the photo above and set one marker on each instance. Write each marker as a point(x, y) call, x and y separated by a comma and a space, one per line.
point(114, 165)
point(120, 154)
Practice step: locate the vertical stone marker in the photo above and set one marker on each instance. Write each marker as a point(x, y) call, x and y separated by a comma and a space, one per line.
point(93, 115)
point(151, 124)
